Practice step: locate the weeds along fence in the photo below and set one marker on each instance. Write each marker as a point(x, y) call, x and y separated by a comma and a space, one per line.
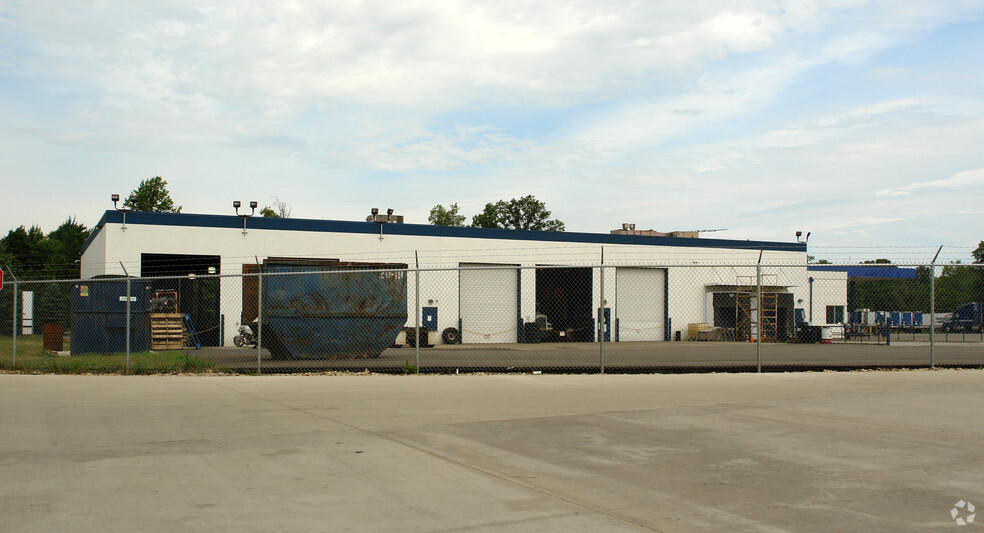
point(499, 318)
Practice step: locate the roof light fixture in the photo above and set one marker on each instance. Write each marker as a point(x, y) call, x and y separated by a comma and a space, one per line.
point(133, 206)
point(252, 205)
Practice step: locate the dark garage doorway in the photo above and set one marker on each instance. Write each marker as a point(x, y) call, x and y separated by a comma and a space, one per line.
point(727, 314)
point(197, 297)
point(564, 296)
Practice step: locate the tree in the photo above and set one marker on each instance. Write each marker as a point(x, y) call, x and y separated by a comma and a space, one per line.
point(33, 255)
point(65, 248)
point(978, 254)
point(152, 195)
point(526, 213)
point(23, 251)
point(280, 209)
point(958, 284)
point(439, 216)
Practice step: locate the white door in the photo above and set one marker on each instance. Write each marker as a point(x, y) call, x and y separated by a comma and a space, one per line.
point(488, 301)
point(640, 303)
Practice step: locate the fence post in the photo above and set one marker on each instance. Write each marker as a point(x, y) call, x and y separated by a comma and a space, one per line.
point(15, 321)
point(127, 274)
point(416, 310)
point(259, 322)
point(932, 309)
point(601, 316)
point(127, 324)
point(932, 316)
point(758, 312)
point(14, 318)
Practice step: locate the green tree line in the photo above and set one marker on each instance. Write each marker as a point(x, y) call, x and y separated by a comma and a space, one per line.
point(955, 284)
point(526, 213)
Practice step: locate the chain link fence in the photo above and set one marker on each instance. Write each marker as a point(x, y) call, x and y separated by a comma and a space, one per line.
point(291, 316)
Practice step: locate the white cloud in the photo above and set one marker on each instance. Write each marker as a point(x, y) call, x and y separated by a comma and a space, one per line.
point(428, 150)
point(961, 180)
point(755, 115)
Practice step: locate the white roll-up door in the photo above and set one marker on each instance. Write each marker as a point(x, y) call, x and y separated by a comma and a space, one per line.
point(488, 301)
point(640, 305)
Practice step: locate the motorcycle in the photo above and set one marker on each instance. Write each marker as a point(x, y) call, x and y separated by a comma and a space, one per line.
point(245, 337)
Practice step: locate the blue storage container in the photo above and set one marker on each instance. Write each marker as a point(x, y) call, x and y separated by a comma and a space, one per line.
point(917, 319)
point(99, 316)
point(907, 319)
point(895, 318)
point(332, 309)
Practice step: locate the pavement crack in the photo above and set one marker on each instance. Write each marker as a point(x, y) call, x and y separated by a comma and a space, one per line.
point(508, 479)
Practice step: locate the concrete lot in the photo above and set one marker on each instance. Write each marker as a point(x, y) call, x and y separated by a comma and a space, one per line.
point(888, 451)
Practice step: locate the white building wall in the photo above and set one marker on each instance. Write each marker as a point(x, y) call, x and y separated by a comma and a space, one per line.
point(829, 288)
point(693, 271)
point(691, 288)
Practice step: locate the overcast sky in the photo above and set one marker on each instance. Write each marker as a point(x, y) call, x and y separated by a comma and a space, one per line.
point(861, 122)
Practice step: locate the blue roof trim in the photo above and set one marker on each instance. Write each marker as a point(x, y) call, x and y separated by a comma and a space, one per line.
point(92, 234)
point(427, 230)
point(865, 271)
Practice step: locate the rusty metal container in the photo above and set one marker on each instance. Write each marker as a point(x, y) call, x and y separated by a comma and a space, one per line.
point(332, 309)
point(53, 339)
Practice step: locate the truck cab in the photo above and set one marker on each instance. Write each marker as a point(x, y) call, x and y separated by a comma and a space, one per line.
point(966, 317)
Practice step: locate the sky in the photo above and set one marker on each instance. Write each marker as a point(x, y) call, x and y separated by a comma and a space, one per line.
point(859, 122)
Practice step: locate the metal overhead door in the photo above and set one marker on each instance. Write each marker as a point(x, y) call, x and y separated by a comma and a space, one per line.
point(489, 303)
point(640, 304)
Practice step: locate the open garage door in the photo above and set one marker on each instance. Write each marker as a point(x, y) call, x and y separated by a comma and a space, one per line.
point(196, 297)
point(489, 303)
point(640, 304)
point(563, 296)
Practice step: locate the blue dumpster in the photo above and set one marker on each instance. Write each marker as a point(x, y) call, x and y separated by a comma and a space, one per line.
point(332, 309)
point(99, 316)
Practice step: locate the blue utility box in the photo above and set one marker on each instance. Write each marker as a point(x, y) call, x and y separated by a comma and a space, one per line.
point(99, 316)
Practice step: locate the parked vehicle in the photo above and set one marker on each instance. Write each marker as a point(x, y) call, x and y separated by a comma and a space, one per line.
point(245, 337)
point(967, 317)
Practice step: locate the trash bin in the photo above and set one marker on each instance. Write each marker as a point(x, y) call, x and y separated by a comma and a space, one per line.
point(531, 333)
point(810, 334)
point(411, 337)
point(52, 340)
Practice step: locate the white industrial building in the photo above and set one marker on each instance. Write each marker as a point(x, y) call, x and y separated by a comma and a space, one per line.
point(653, 287)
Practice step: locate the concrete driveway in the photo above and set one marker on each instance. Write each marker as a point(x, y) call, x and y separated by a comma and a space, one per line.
point(884, 451)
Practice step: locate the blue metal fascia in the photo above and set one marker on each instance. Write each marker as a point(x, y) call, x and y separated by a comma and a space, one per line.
point(864, 271)
point(427, 230)
point(92, 234)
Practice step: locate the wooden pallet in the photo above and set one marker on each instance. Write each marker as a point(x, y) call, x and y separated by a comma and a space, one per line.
point(167, 331)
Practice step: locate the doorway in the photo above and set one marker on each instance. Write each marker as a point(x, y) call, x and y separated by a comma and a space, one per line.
point(563, 295)
point(197, 297)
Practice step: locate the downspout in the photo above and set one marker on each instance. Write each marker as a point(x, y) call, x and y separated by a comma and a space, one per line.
point(811, 300)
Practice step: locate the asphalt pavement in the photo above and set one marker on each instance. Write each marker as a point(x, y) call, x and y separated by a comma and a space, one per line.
point(622, 357)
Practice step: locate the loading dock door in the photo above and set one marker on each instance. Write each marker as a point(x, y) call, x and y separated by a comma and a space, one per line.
point(489, 304)
point(640, 305)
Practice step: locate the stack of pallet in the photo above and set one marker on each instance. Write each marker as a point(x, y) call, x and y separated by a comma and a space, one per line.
point(167, 331)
